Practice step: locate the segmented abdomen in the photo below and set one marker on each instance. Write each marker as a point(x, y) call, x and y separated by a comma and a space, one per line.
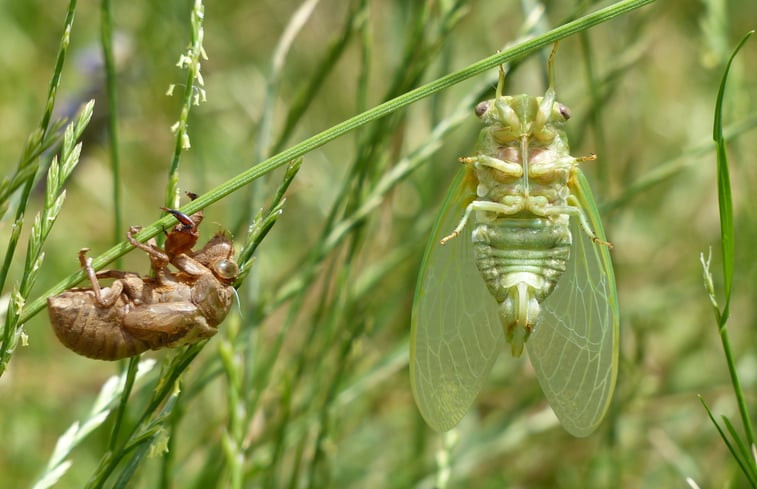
point(94, 332)
point(506, 249)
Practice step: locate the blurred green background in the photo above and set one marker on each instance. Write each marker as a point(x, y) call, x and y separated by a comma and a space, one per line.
point(331, 404)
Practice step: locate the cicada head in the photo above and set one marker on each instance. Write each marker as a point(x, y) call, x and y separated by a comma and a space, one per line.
point(218, 256)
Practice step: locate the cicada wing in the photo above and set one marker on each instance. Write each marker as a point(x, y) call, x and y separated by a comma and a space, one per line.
point(574, 348)
point(456, 334)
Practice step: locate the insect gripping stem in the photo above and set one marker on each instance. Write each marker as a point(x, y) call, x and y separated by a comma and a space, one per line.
point(526, 256)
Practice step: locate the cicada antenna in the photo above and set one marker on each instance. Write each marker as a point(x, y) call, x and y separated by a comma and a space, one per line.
point(551, 66)
point(501, 83)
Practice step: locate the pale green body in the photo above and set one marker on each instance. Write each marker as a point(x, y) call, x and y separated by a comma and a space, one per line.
point(536, 240)
point(521, 246)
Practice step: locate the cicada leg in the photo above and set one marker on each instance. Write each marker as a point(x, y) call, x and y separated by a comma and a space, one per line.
point(158, 259)
point(481, 205)
point(103, 299)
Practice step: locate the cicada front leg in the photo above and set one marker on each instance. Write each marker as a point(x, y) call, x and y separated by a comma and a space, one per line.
point(158, 258)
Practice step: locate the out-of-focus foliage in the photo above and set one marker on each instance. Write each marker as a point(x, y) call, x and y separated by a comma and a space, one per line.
point(309, 385)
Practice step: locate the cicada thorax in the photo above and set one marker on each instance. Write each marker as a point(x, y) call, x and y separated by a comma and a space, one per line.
point(521, 237)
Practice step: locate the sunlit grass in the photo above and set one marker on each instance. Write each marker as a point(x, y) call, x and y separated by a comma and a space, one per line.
point(307, 383)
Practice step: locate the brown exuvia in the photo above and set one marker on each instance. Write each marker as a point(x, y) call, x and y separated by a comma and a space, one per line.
point(137, 313)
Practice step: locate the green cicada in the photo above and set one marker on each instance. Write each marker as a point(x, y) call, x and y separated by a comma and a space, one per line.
point(518, 246)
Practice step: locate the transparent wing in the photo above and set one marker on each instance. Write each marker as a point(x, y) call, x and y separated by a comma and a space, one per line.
point(574, 348)
point(455, 336)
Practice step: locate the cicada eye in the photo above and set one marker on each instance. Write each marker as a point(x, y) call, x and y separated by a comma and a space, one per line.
point(226, 269)
point(564, 112)
point(481, 108)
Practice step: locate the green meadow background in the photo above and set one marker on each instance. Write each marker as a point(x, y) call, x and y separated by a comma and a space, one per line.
point(307, 383)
